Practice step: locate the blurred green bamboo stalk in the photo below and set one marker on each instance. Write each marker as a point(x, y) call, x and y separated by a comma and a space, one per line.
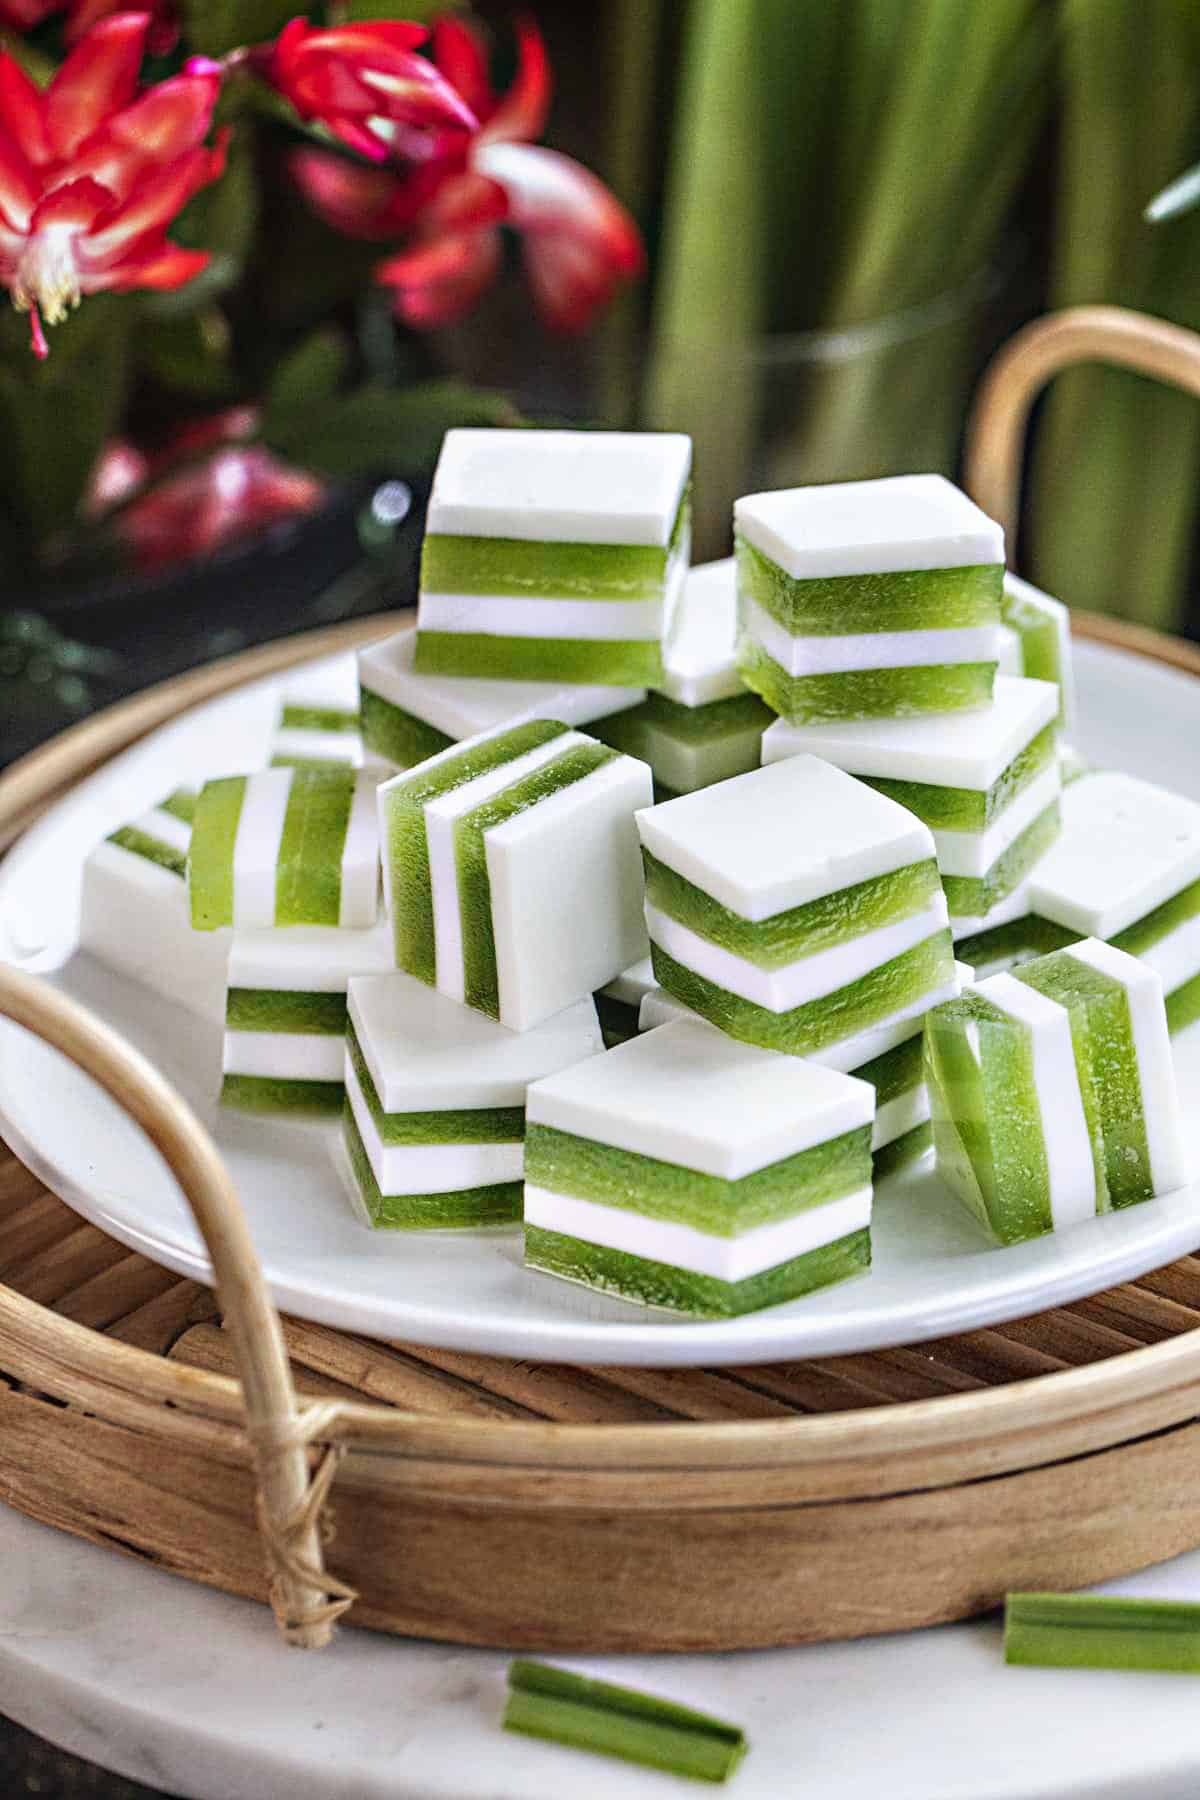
point(1117, 459)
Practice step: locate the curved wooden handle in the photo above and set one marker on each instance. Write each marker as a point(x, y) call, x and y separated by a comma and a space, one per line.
point(306, 1600)
point(1019, 372)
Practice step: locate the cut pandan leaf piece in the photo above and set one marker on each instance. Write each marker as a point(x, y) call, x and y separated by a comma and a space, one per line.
point(435, 1103)
point(1102, 1631)
point(295, 846)
point(619, 1002)
point(986, 784)
point(511, 869)
point(1042, 628)
point(869, 599)
point(1053, 1094)
point(685, 1170)
point(407, 717)
point(1126, 867)
point(285, 1015)
point(134, 914)
point(554, 556)
point(585, 1714)
point(795, 939)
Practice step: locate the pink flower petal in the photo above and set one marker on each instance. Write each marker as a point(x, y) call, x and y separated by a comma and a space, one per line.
point(163, 266)
point(459, 55)
point(522, 112)
point(152, 205)
point(18, 186)
point(22, 111)
point(440, 281)
point(75, 206)
point(99, 76)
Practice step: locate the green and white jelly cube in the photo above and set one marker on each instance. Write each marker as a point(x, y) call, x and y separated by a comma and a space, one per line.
point(134, 909)
point(1036, 637)
point(554, 555)
point(1053, 1092)
point(797, 909)
point(296, 846)
point(987, 784)
point(318, 718)
point(407, 717)
point(511, 869)
point(689, 1171)
point(434, 1120)
point(869, 599)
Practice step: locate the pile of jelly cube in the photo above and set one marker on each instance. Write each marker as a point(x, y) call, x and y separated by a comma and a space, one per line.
point(666, 911)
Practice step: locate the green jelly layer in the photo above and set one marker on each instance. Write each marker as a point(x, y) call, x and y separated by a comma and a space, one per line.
point(987, 1124)
point(618, 1020)
point(864, 693)
point(806, 1029)
point(318, 718)
point(902, 1151)
point(396, 735)
point(690, 747)
point(274, 1094)
point(457, 1210)
point(284, 761)
point(903, 600)
point(450, 1125)
point(566, 1164)
point(971, 896)
point(1107, 1066)
point(523, 568)
point(481, 980)
point(661, 1284)
point(308, 874)
point(150, 849)
point(1005, 946)
point(1144, 933)
point(590, 662)
point(1183, 1005)
point(785, 937)
point(210, 855)
point(283, 1009)
point(181, 804)
point(896, 1071)
point(971, 809)
point(405, 845)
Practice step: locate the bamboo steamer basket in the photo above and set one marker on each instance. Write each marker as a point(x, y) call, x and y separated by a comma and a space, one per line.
point(474, 1500)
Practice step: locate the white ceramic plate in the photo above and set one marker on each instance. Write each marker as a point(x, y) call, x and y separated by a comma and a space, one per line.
point(933, 1274)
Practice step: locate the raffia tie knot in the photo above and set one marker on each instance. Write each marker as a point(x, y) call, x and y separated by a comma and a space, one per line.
point(284, 1539)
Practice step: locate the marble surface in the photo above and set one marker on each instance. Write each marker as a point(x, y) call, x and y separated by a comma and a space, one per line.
point(189, 1691)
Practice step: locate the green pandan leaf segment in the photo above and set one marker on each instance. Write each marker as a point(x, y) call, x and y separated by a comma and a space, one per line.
point(278, 1094)
point(398, 736)
point(586, 1170)
point(1102, 1631)
point(800, 931)
point(870, 1000)
point(528, 568)
point(970, 897)
point(971, 809)
point(595, 662)
point(150, 849)
point(452, 1125)
point(585, 1714)
point(282, 1009)
point(460, 1209)
point(901, 600)
point(683, 1290)
point(908, 693)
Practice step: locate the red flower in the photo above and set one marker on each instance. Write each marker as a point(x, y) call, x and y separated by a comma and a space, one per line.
point(579, 242)
point(365, 84)
point(23, 15)
point(92, 172)
point(236, 491)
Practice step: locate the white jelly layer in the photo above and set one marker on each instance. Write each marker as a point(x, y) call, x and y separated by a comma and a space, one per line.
point(841, 655)
point(899, 1115)
point(462, 707)
point(632, 986)
point(574, 487)
point(166, 828)
point(683, 1247)
point(329, 683)
point(1070, 1171)
point(807, 979)
point(308, 959)
point(782, 836)
point(962, 749)
point(1152, 1047)
point(134, 918)
point(310, 745)
point(360, 861)
point(688, 1094)
point(284, 1055)
point(869, 527)
point(1176, 957)
point(1013, 906)
point(1054, 613)
point(699, 658)
point(256, 847)
point(974, 852)
point(585, 621)
point(429, 1168)
point(1125, 847)
point(1010, 659)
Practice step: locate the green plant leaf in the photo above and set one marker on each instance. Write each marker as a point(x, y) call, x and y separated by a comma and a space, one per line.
point(222, 219)
point(190, 353)
point(423, 12)
point(214, 27)
point(386, 431)
point(304, 380)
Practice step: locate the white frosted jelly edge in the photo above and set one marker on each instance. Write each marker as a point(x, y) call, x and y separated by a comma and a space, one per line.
point(899, 1115)
point(1175, 958)
point(1126, 847)
point(807, 979)
point(587, 621)
point(359, 905)
point(429, 1168)
point(1152, 1047)
point(1070, 1169)
point(880, 527)
point(683, 1247)
point(284, 1055)
point(842, 655)
point(699, 657)
point(314, 745)
point(308, 959)
point(256, 846)
point(165, 827)
point(972, 853)
point(1013, 906)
